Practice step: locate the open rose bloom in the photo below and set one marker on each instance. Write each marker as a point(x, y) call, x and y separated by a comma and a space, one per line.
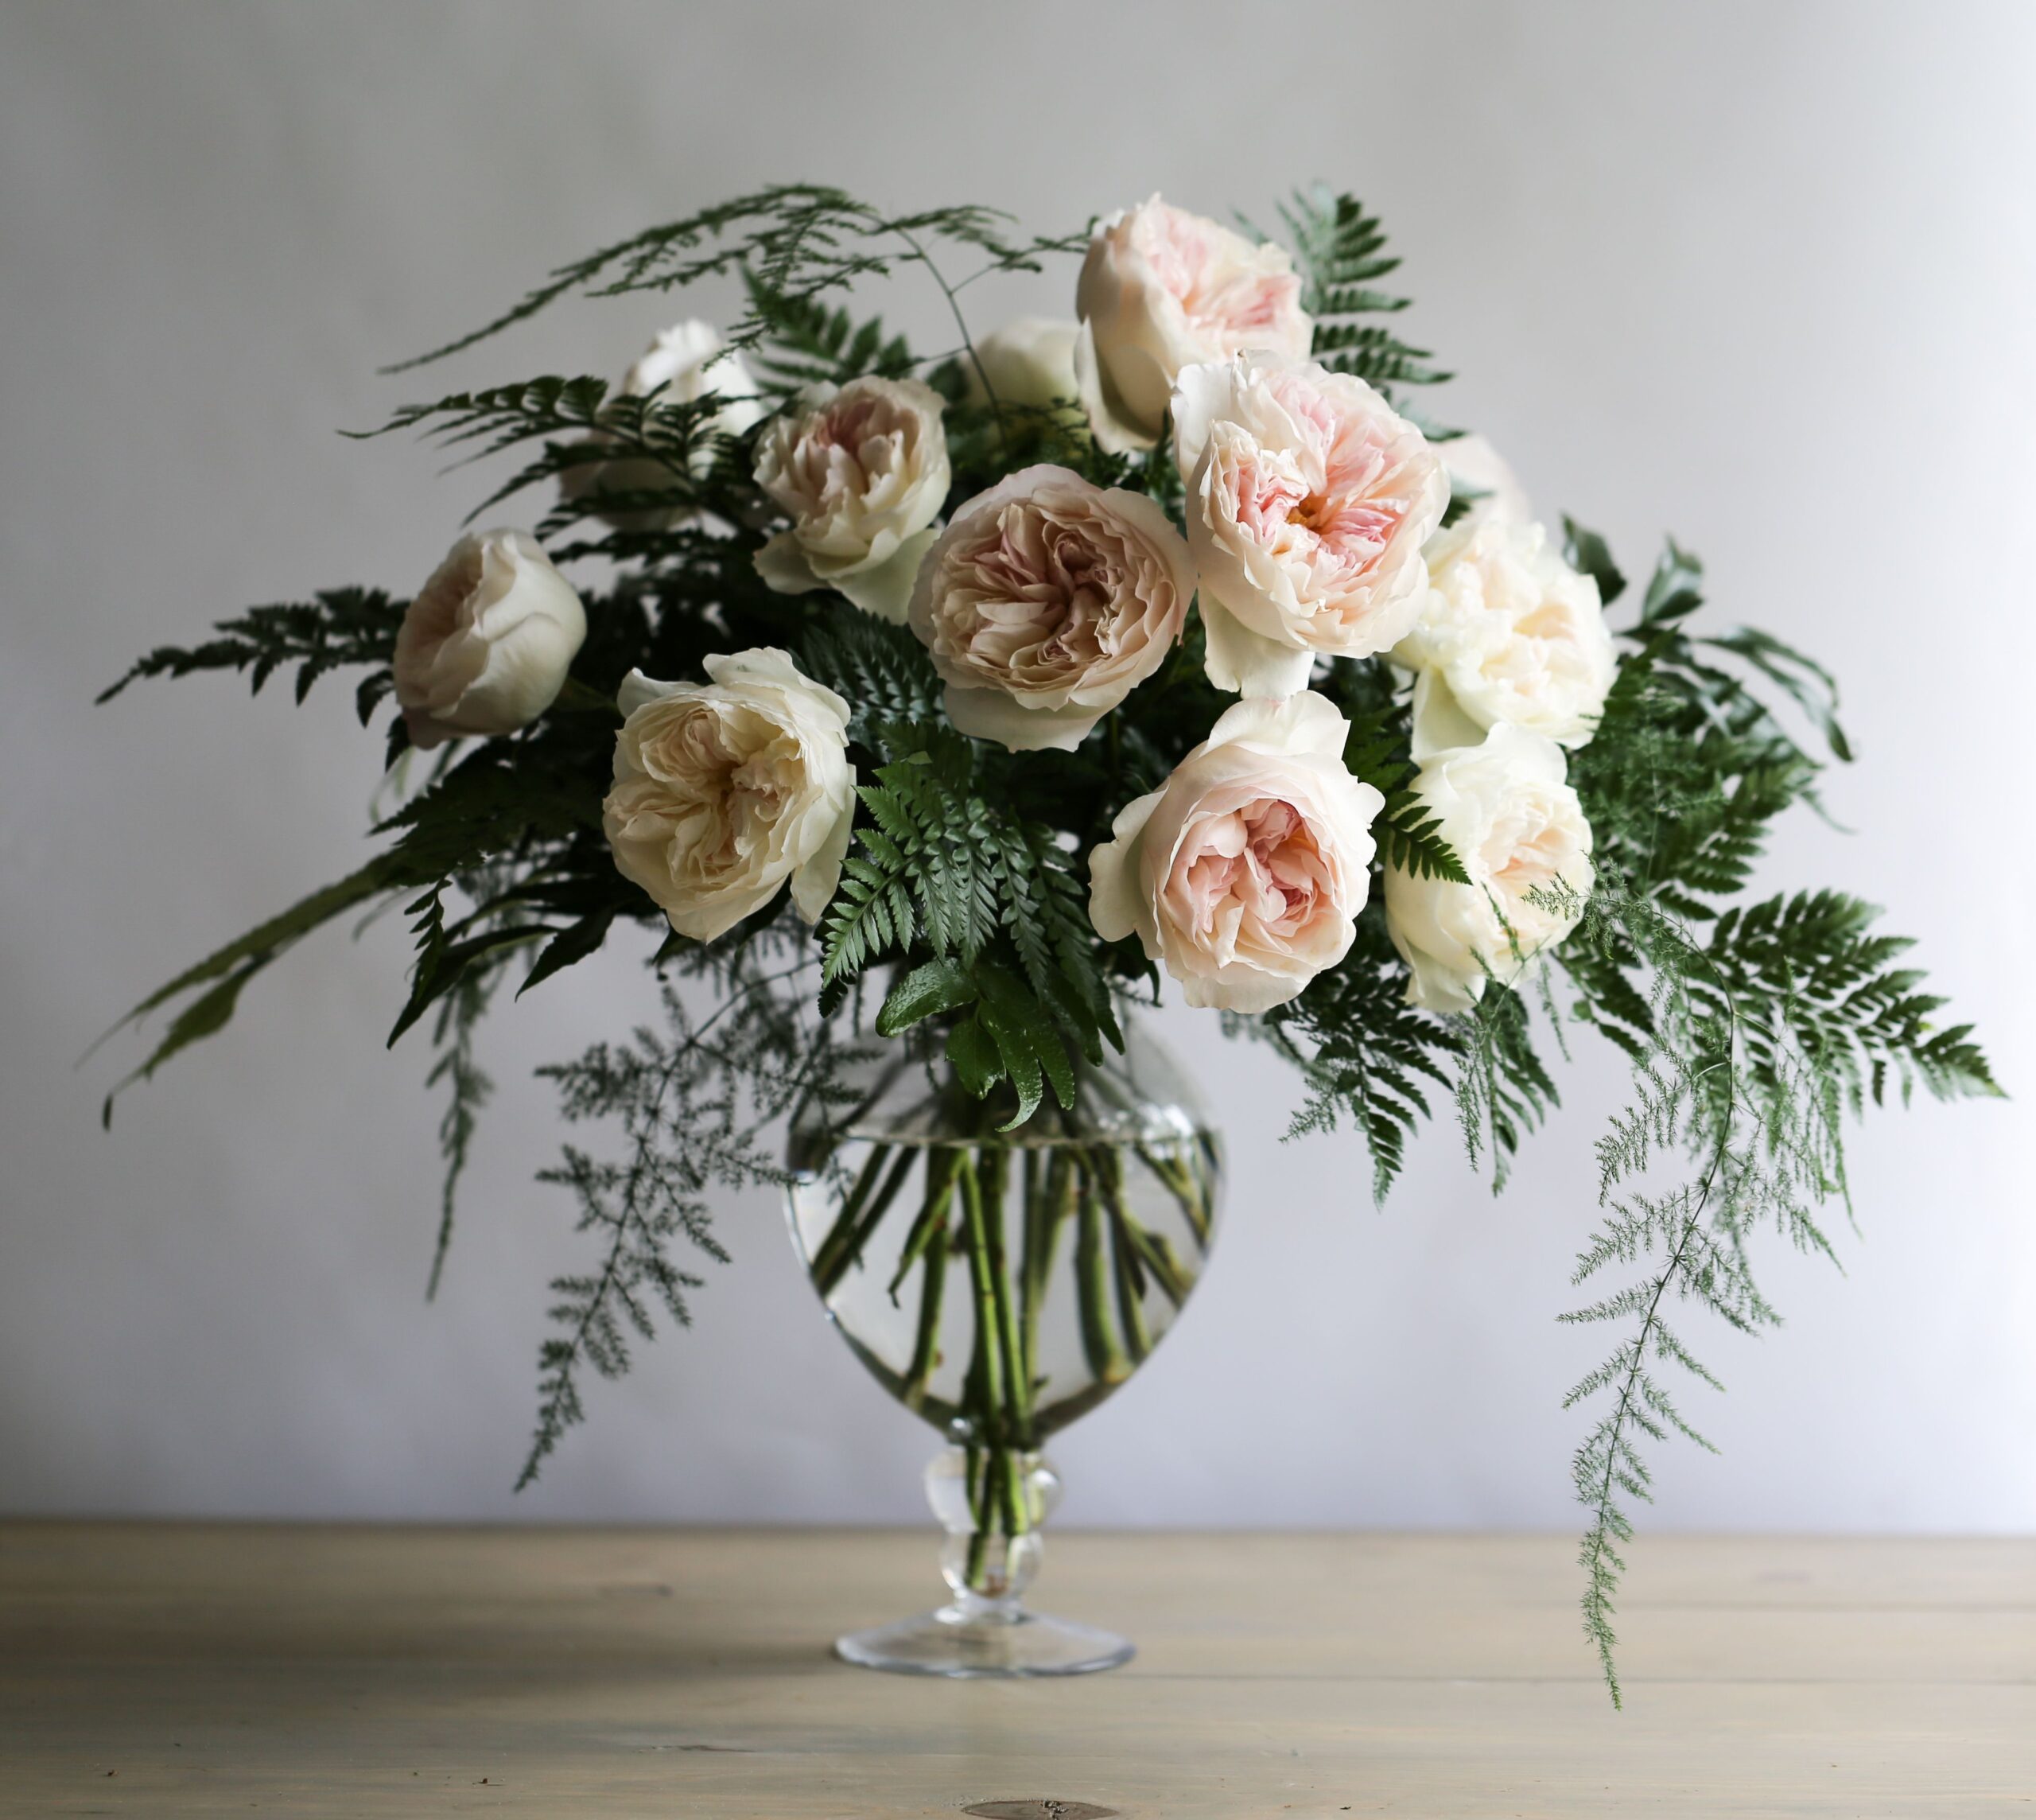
point(1510, 635)
point(726, 792)
point(1308, 500)
point(1161, 289)
point(1046, 602)
point(862, 469)
point(1517, 828)
point(1244, 873)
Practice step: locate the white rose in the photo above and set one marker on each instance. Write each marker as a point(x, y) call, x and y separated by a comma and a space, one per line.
point(1046, 602)
point(1506, 812)
point(1509, 634)
point(1475, 466)
point(689, 361)
point(1308, 500)
point(1243, 874)
point(485, 646)
point(1161, 289)
point(725, 791)
point(862, 470)
point(1030, 360)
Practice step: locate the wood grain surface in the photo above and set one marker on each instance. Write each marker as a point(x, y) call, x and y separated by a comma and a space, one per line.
point(180, 1669)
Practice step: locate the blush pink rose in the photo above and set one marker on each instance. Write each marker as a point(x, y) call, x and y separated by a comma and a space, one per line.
point(1046, 602)
point(1243, 874)
point(862, 471)
point(1308, 500)
point(1161, 289)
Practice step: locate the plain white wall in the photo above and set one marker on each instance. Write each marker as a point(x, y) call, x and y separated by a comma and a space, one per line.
point(1759, 274)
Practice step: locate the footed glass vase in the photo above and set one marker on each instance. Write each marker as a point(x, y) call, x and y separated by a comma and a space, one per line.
point(999, 1283)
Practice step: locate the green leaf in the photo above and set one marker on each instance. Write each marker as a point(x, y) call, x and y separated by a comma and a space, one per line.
point(1588, 553)
point(925, 992)
point(267, 938)
point(204, 1017)
point(567, 946)
point(439, 971)
point(1025, 1028)
point(973, 1054)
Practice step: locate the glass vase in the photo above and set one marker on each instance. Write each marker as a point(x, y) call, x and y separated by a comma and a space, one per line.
point(999, 1283)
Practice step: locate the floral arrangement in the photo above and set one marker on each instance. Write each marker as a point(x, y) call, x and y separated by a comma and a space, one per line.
point(965, 698)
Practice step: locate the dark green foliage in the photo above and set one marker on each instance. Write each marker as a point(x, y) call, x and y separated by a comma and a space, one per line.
point(1503, 1089)
point(1339, 250)
point(1754, 1029)
point(468, 1089)
point(946, 870)
point(808, 343)
point(795, 242)
point(1366, 1054)
point(226, 970)
point(582, 427)
point(342, 626)
point(691, 1103)
point(880, 670)
point(1407, 836)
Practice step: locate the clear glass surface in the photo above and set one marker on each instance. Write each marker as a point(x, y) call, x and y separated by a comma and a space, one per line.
point(1001, 1284)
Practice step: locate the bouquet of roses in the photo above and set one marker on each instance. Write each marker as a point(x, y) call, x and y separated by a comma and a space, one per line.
point(958, 700)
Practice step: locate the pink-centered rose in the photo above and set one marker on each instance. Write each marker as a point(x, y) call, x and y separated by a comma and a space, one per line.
point(1046, 602)
point(1244, 873)
point(1308, 500)
point(1161, 289)
point(862, 471)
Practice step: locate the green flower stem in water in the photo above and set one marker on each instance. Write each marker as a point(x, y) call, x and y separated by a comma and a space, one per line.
point(1049, 1208)
point(1130, 1272)
point(1188, 1187)
point(1106, 1358)
point(926, 1343)
point(861, 1217)
point(940, 1166)
point(1009, 1208)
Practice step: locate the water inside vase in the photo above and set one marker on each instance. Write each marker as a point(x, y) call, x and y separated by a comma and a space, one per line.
point(1080, 1250)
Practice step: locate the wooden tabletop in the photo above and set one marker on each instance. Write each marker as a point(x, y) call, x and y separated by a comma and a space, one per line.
point(172, 1670)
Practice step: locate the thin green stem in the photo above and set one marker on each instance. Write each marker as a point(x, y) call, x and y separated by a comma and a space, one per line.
point(932, 1219)
point(925, 1342)
point(1127, 1266)
point(859, 1218)
point(1092, 1274)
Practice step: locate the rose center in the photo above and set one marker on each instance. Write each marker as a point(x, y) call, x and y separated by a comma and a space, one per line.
point(1260, 865)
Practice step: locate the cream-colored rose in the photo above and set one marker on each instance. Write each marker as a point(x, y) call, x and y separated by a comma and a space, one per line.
point(1243, 874)
point(862, 470)
point(1506, 812)
point(1161, 289)
point(1030, 360)
point(688, 362)
point(1509, 634)
point(1046, 602)
point(726, 789)
point(485, 646)
point(1308, 500)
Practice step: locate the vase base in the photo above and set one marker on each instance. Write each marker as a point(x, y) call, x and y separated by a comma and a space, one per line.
point(978, 1645)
